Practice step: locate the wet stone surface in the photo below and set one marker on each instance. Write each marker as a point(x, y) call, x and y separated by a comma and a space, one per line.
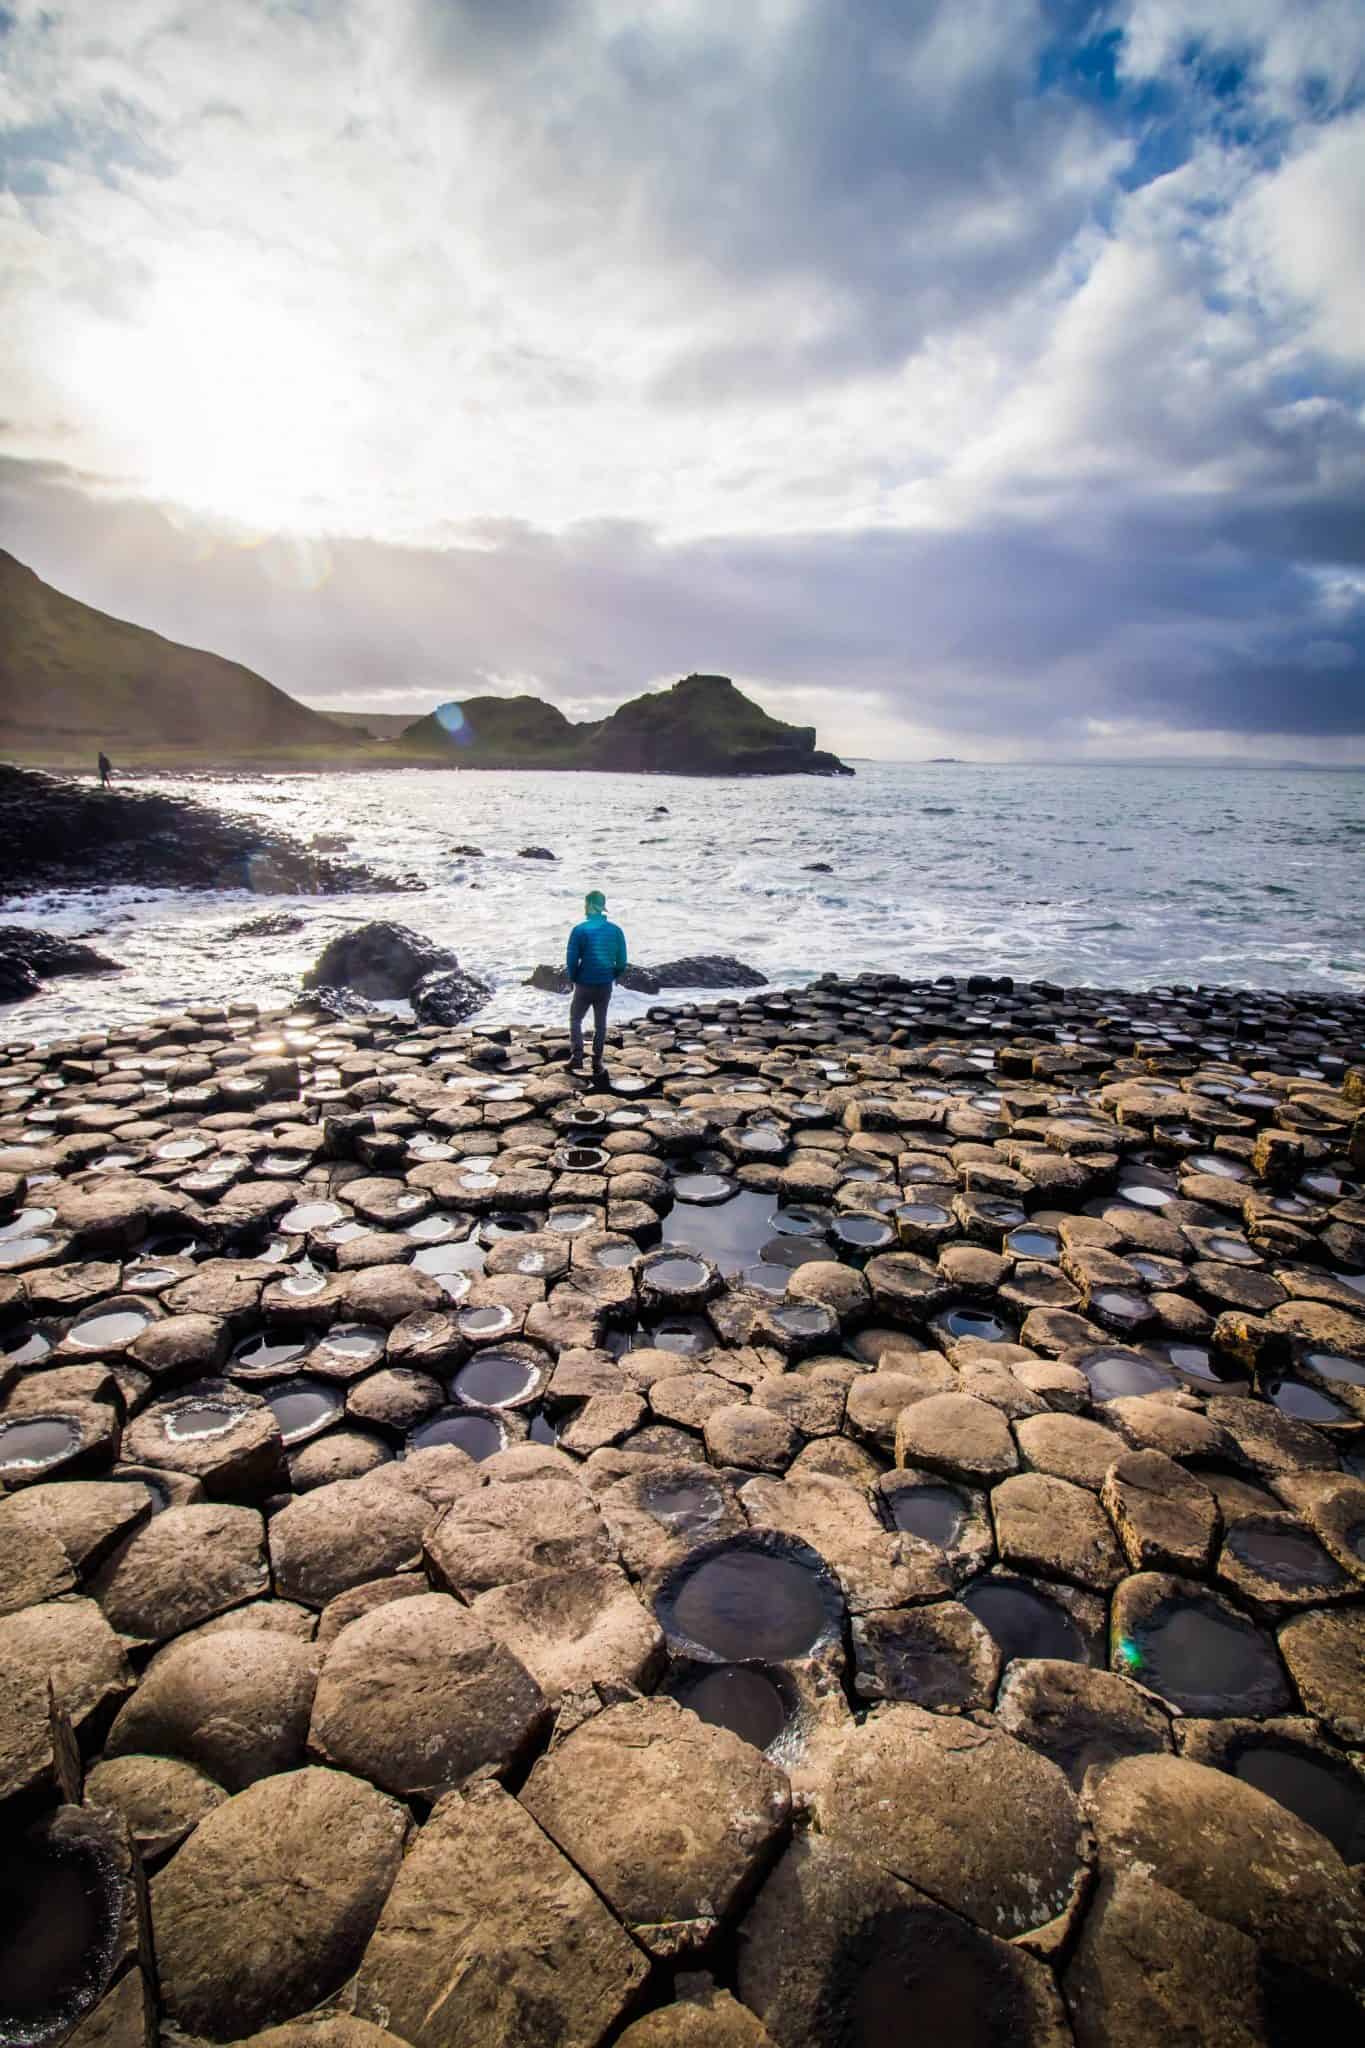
point(751, 1702)
point(751, 1598)
point(878, 1418)
point(1024, 1620)
point(1194, 1649)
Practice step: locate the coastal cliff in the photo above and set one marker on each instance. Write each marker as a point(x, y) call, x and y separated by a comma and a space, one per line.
point(74, 679)
point(702, 726)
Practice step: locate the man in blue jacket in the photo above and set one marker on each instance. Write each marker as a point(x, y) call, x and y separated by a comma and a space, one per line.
point(595, 959)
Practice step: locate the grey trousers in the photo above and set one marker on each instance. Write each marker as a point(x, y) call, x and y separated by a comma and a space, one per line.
point(595, 997)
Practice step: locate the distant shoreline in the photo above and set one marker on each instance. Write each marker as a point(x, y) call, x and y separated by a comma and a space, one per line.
point(136, 763)
point(127, 768)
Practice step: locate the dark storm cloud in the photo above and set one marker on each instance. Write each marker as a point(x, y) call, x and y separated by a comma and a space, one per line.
point(894, 159)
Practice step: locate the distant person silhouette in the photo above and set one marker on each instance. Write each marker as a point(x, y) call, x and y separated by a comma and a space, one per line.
point(106, 771)
point(596, 958)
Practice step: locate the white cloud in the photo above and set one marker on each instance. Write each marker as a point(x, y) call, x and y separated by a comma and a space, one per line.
point(1311, 220)
point(1290, 47)
point(808, 340)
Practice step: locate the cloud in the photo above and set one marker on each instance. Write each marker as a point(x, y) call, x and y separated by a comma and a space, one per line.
point(1012, 637)
point(1311, 221)
point(987, 368)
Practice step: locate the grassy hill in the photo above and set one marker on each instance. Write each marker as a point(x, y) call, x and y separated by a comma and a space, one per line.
point(73, 680)
point(494, 732)
point(702, 726)
point(375, 725)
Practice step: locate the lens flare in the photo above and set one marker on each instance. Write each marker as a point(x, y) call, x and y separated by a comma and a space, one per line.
point(456, 724)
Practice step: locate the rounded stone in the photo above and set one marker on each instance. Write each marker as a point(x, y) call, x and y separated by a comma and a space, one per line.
point(361, 1600)
point(267, 1908)
point(958, 1435)
point(835, 1286)
point(576, 1629)
point(490, 1935)
point(1236, 1856)
point(67, 1646)
point(396, 1399)
point(182, 1345)
point(938, 1657)
point(234, 1703)
point(714, 2021)
point(836, 1951)
point(669, 1817)
point(657, 1514)
point(1149, 1967)
point(181, 1568)
point(340, 1535)
point(1069, 1447)
point(965, 1813)
point(1165, 1519)
point(513, 1530)
point(323, 2030)
point(1325, 1652)
point(161, 1798)
point(753, 1438)
point(1079, 1717)
point(419, 1697)
point(340, 1454)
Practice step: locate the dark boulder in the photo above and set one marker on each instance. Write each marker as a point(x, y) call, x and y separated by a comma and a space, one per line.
point(381, 960)
point(708, 970)
point(276, 924)
point(340, 1002)
point(61, 834)
point(535, 853)
point(449, 996)
point(555, 982)
point(28, 958)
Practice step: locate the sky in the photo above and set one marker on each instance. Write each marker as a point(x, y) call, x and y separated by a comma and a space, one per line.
point(982, 377)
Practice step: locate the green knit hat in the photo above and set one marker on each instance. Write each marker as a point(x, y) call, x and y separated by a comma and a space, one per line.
point(594, 901)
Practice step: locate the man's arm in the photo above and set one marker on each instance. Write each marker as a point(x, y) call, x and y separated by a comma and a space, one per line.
point(621, 961)
point(574, 956)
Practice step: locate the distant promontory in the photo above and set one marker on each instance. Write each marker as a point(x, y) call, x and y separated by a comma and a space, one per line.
point(74, 682)
point(702, 726)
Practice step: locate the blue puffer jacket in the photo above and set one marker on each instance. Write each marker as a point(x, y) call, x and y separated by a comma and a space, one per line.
point(597, 951)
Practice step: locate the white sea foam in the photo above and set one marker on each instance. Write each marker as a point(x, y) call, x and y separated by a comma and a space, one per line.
point(1134, 876)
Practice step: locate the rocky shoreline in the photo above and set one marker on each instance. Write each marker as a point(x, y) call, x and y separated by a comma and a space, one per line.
point(63, 834)
point(858, 1524)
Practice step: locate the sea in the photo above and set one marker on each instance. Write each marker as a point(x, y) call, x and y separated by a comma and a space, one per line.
point(1110, 876)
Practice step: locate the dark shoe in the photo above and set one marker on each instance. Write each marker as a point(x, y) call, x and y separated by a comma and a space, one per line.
point(600, 1074)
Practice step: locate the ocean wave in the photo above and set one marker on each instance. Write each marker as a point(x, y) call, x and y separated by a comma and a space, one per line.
point(724, 874)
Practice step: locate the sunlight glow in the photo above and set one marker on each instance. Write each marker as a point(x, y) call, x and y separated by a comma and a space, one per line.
point(219, 402)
